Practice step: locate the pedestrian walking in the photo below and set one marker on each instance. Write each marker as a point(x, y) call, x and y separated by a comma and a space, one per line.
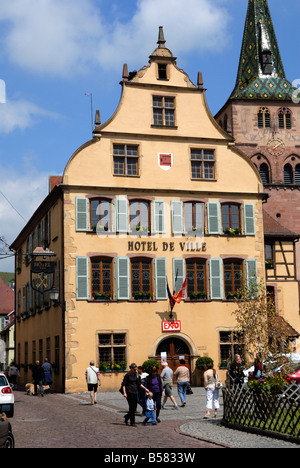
point(150, 410)
point(13, 374)
point(183, 377)
point(92, 375)
point(38, 376)
point(131, 386)
point(212, 391)
point(154, 385)
point(167, 381)
point(141, 392)
point(48, 372)
point(236, 371)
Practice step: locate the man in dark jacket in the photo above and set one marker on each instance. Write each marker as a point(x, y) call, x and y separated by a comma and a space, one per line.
point(236, 371)
point(38, 376)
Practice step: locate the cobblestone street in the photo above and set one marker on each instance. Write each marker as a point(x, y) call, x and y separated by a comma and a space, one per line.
point(68, 421)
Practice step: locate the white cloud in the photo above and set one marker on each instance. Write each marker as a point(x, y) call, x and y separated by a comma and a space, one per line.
point(55, 37)
point(21, 114)
point(66, 37)
point(21, 192)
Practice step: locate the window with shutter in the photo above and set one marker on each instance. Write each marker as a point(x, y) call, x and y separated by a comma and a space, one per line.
point(177, 217)
point(82, 223)
point(161, 278)
point(122, 215)
point(178, 273)
point(159, 217)
point(122, 271)
point(82, 278)
point(214, 217)
point(249, 219)
point(216, 278)
point(251, 266)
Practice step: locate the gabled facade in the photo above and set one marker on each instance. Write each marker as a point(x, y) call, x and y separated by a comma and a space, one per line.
point(159, 195)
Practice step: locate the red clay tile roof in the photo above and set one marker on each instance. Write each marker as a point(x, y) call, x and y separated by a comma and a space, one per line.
point(275, 229)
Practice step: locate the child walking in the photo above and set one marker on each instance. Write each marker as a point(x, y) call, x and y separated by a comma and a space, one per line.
point(150, 409)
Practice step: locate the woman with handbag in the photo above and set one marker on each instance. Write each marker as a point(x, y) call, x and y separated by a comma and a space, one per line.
point(212, 384)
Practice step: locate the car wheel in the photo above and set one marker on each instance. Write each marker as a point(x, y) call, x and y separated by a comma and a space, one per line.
point(9, 442)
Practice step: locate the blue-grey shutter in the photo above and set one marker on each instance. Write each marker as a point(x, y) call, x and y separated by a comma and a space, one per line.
point(178, 273)
point(214, 217)
point(82, 221)
point(121, 215)
point(161, 278)
point(159, 217)
point(251, 267)
point(249, 219)
point(216, 278)
point(177, 216)
point(123, 278)
point(82, 278)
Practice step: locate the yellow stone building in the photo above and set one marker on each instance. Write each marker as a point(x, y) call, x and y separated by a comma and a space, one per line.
point(159, 195)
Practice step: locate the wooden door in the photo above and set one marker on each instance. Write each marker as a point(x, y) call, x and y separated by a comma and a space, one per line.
point(175, 348)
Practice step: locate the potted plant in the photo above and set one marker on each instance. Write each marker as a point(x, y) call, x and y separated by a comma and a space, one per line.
point(101, 296)
point(142, 296)
point(196, 296)
point(232, 232)
point(269, 265)
point(104, 366)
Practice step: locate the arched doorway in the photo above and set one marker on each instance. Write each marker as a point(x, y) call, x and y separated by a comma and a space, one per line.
point(175, 348)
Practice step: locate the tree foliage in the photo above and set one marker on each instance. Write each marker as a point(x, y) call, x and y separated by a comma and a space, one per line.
point(260, 326)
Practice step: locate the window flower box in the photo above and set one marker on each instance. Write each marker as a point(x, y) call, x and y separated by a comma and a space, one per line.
point(142, 296)
point(196, 296)
point(101, 296)
point(232, 232)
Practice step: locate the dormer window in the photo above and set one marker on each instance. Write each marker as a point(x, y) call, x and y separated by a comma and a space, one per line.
point(267, 62)
point(162, 71)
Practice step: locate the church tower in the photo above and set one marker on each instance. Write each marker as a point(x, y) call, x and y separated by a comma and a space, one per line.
point(263, 116)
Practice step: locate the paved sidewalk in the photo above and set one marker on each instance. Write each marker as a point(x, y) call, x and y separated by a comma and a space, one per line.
point(193, 424)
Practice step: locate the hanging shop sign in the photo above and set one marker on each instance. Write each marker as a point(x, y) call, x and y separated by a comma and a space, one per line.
point(171, 325)
point(42, 275)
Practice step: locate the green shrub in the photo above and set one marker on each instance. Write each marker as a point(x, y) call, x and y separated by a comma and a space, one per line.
point(203, 361)
point(148, 365)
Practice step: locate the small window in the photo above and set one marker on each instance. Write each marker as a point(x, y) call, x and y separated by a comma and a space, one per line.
point(162, 71)
point(112, 351)
point(100, 212)
point(288, 174)
point(164, 111)
point(203, 164)
point(231, 218)
point(297, 174)
point(196, 279)
point(269, 255)
point(264, 118)
point(126, 160)
point(141, 279)
point(194, 217)
point(233, 277)
point(102, 285)
point(285, 118)
point(264, 173)
point(140, 217)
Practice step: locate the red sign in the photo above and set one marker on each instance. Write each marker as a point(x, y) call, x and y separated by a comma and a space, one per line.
point(171, 325)
point(165, 161)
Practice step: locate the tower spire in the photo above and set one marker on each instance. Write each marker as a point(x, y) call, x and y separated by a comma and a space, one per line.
point(260, 73)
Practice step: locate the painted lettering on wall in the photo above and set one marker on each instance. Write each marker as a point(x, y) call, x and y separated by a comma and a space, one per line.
point(150, 246)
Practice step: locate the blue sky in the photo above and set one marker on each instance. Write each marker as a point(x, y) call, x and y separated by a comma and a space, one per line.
point(52, 52)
